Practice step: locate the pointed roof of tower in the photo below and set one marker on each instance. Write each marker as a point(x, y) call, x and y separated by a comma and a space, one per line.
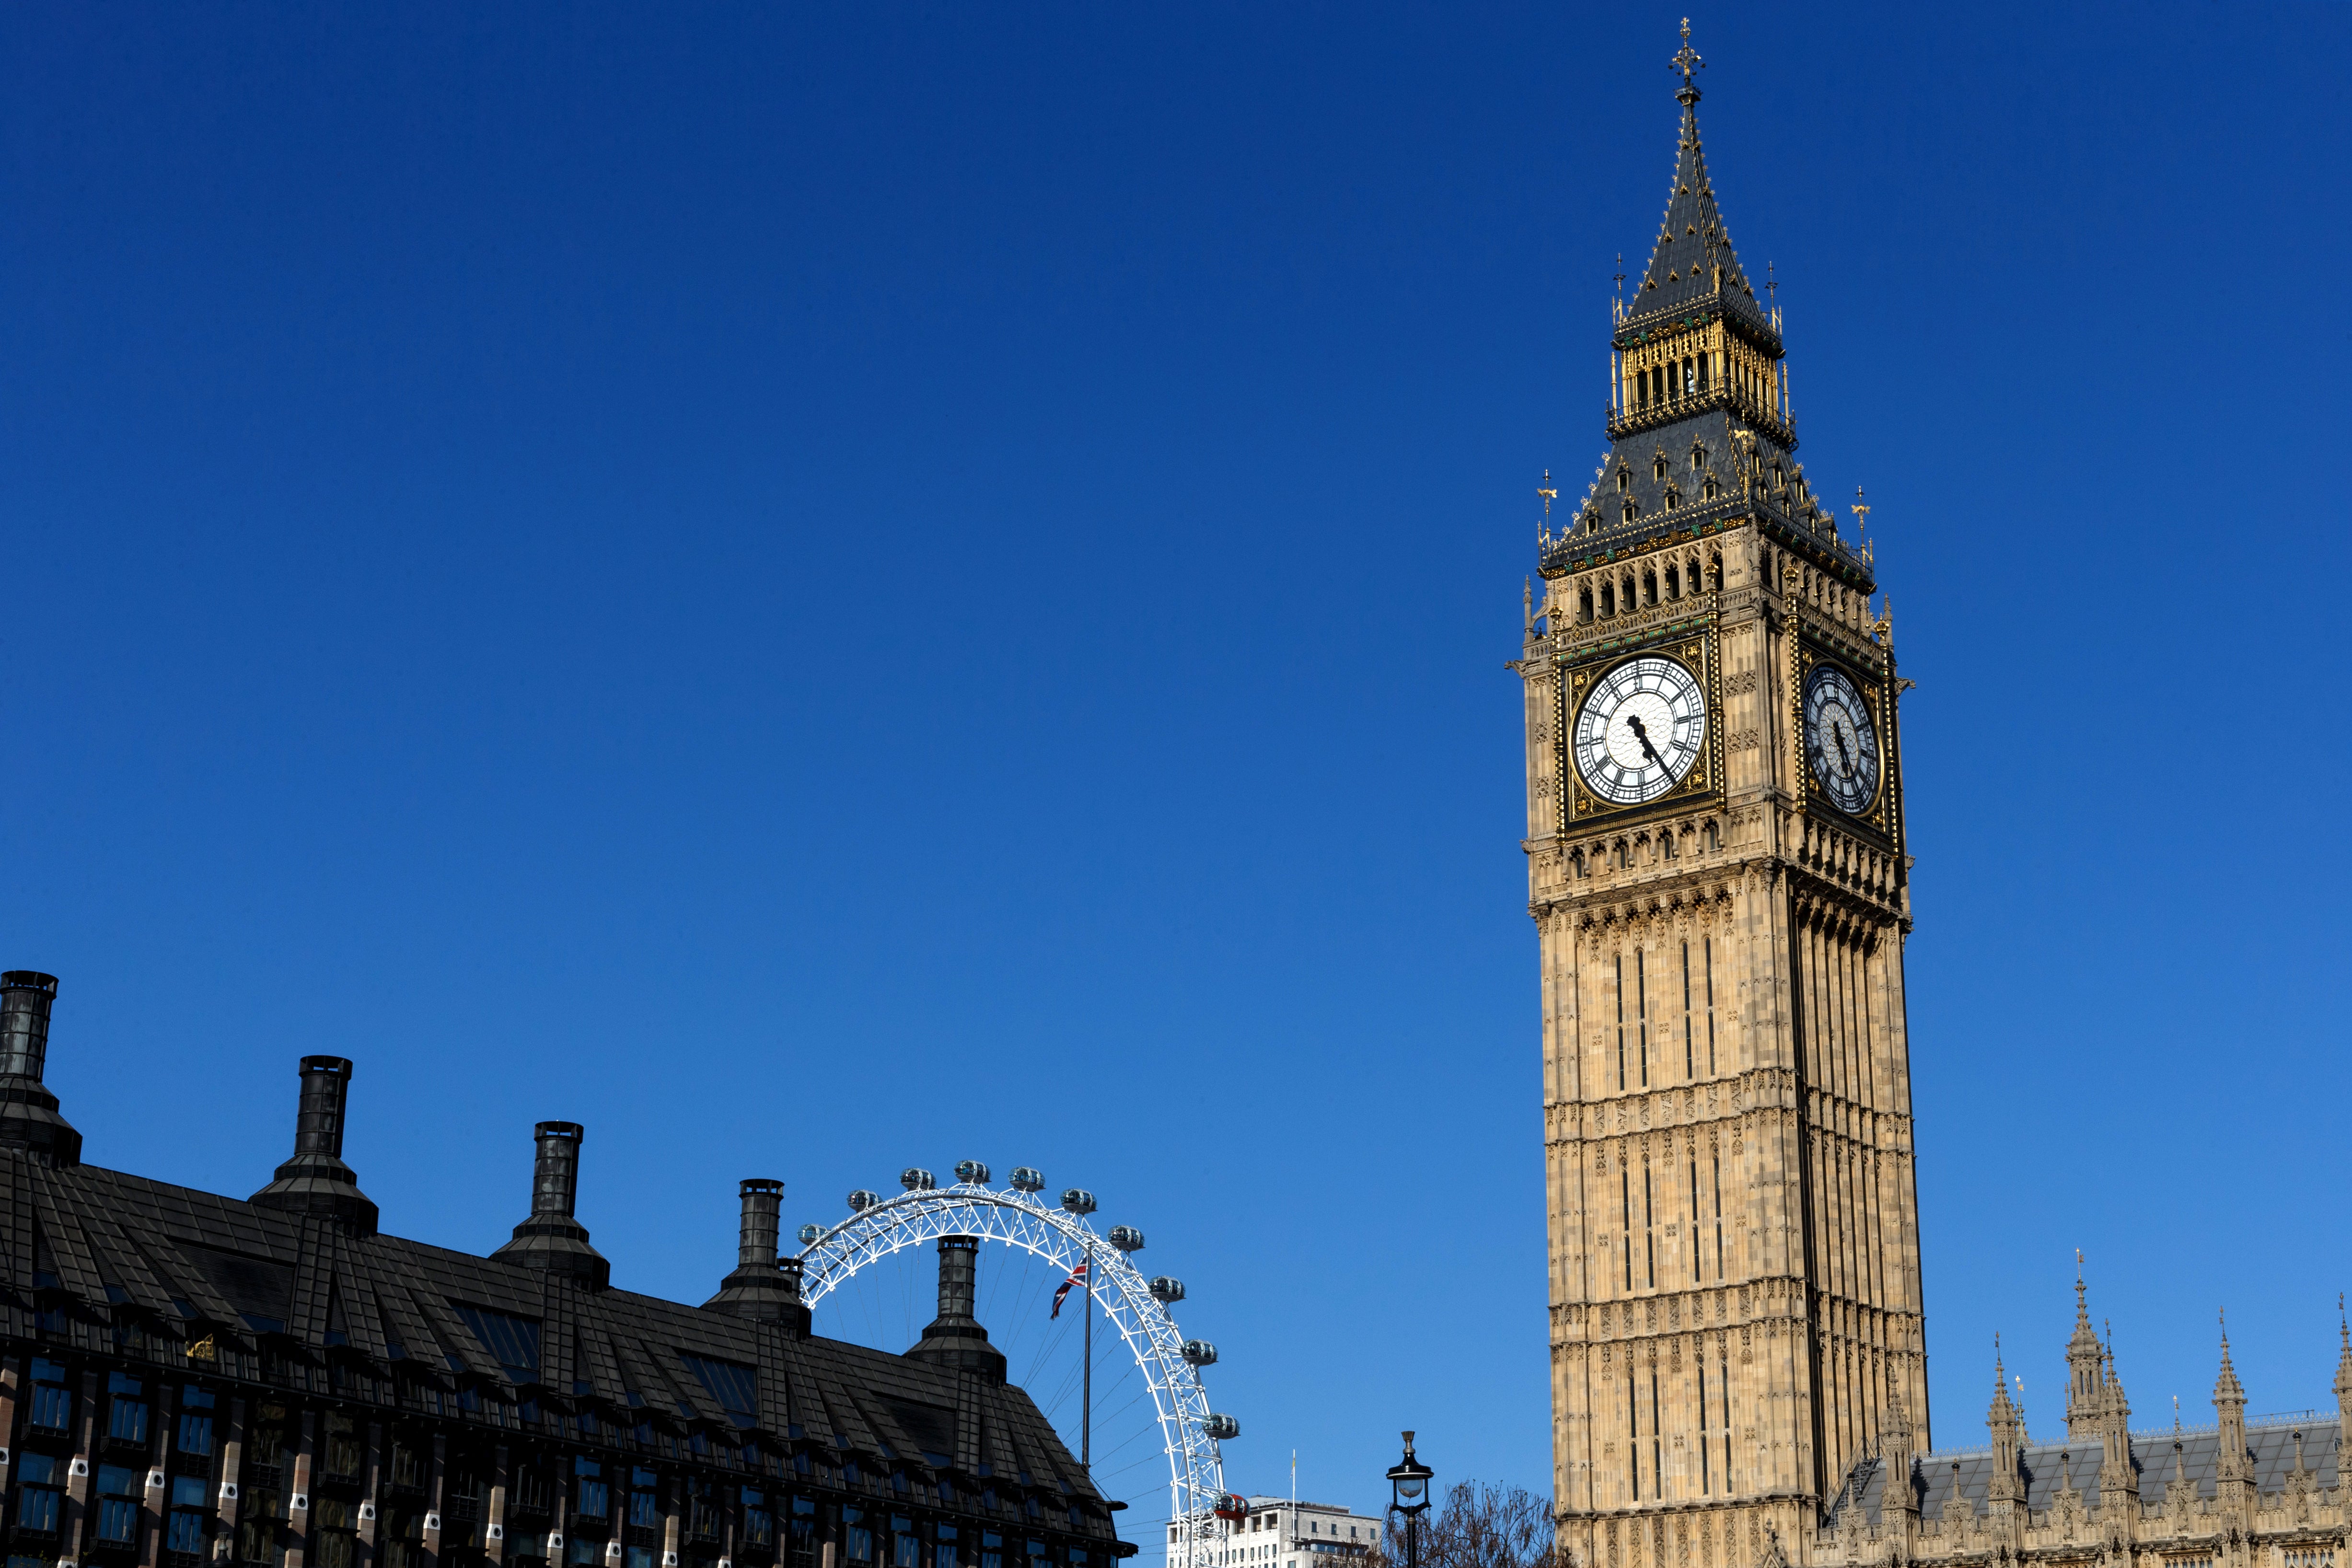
point(1693, 260)
point(2343, 1362)
point(2226, 1387)
point(2002, 1409)
point(2085, 1341)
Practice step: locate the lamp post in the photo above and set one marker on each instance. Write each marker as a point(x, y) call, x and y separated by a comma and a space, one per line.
point(1408, 1495)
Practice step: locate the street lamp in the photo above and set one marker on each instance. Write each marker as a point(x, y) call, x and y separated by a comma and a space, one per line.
point(1408, 1495)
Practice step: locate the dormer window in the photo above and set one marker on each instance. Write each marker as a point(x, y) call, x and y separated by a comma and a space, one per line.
point(1632, 512)
point(1707, 489)
point(1658, 468)
point(1674, 498)
point(1698, 456)
point(1624, 480)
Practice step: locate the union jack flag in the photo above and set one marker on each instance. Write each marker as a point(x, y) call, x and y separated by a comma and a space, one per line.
point(1077, 1277)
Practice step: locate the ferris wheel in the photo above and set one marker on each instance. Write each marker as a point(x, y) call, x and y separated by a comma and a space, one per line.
point(1061, 1235)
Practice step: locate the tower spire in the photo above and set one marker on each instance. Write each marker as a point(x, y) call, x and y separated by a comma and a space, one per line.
point(2085, 1388)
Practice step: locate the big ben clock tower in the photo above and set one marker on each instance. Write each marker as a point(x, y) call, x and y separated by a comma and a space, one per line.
point(1716, 872)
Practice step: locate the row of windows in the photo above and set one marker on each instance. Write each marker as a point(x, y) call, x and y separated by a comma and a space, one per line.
point(1676, 577)
point(1698, 1014)
point(1694, 374)
point(1651, 1435)
point(1624, 855)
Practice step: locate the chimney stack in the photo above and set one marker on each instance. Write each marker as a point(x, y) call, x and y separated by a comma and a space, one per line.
point(29, 1119)
point(316, 1180)
point(551, 1238)
point(955, 1339)
point(761, 1288)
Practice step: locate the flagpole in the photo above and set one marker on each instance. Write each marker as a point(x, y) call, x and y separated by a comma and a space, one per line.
point(1087, 1420)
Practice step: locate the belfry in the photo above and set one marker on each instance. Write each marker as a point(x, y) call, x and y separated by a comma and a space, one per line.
point(1717, 874)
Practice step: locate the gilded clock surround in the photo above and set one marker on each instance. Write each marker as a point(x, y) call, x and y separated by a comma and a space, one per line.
point(1697, 653)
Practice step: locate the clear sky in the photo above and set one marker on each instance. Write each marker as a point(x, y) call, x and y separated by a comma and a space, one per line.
point(822, 588)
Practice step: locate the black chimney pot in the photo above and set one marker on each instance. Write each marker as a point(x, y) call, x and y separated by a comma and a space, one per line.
point(316, 1180)
point(29, 1119)
point(551, 1238)
point(761, 1288)
point(955, 1337)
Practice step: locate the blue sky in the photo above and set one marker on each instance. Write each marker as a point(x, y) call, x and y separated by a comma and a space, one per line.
point(826, 588)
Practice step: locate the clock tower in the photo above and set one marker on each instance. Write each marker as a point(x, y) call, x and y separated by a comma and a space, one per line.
point(1717, 873)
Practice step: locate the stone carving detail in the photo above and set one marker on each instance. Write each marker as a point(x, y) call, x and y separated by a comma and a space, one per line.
point(1744, 739)
point(1740, 683)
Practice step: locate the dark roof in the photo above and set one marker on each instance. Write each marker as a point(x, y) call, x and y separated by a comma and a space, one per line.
point(1692, 262)
point(183, 1264)
point(2046, 1467)
point(1695, 276)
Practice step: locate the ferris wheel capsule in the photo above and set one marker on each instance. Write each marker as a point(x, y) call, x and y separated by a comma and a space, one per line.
point(1026, 1180)
point(1126, 1239)
point(1220, 1427)
point(1163, 1288)
point(972, 1173)
point(915, 1179)
point(1200, 1353)
point(809, 1232)
point(861, 1200)
point(1232, 1506)
point(1077, 1200)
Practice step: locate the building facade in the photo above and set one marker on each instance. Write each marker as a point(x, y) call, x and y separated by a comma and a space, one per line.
point(1717, 874)
point(272, 1382)
point(1283, 1533)
point(2258, 1491)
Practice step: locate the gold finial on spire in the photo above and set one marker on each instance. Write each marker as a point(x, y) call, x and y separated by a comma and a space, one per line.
point(1686, 61)
point(1862, 525)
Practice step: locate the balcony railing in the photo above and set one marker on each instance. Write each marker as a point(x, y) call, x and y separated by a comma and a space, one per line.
point(1623, 422)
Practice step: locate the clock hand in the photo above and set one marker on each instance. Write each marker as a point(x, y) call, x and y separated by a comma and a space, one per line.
point(1633, 722)
point(1845, 752)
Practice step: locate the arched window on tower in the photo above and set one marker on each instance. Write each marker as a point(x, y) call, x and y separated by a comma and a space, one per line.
point(1674, 581)
point(1584, 603)
point(1608, 601)
point(1649, 588)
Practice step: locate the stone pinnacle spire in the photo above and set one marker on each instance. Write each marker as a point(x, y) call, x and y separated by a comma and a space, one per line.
point(2085, 1382)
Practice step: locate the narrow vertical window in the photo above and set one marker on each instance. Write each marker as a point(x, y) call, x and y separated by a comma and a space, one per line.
point(1687, 1058)
point(1694, 1241)
point(1641, 1009)
point(1725, 1367)
point(1649, 1231)
point(1705, 1484)
point(1621, 1023)
point(1657, 1445)
point(1710, 952)
point(1633, 1434)
point(1717, 1160)
point(1625, 1195)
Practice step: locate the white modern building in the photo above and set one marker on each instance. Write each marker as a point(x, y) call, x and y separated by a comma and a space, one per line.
point(1277, 1533)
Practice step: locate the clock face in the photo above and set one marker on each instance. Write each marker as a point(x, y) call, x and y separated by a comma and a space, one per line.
point(1640, 731)
point(1841, 743)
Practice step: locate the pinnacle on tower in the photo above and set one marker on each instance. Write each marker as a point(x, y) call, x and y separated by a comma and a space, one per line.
point(2086, 1389)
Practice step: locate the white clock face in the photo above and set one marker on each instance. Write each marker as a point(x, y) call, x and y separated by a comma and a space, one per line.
point(1841, 743)
point(1640, 731)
